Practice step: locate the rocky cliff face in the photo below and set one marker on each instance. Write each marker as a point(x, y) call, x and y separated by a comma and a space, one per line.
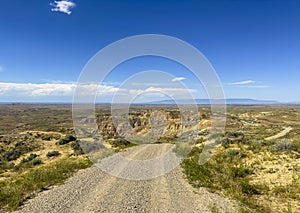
point(167, 123)
point(106, 126)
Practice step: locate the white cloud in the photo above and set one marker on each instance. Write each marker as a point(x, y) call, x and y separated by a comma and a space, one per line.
point(29, 89)
point(63, 6)
point(145, 84)
point(249, 84)
point(152, 93)
point(256, 86)
point(44, 80)
point(49, 89)
point(65, 91)
point(171, 91)
point(243, 82)
point(178, 79)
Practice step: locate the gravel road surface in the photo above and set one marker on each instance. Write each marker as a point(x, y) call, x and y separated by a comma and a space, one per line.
point(93, 190)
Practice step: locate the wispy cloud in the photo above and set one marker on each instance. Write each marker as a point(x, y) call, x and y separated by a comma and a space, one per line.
point(152, 93)
point(171, 91)
point(256, 86)
point(243, 82)
point(1, 68)
point(63, 6)
point(249, 84)
point(145, 84)
point(51, 81)
point(34, 91)
point(178, 79)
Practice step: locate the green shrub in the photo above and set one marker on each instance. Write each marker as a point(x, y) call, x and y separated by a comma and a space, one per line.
point(232, 154)
point(56, 137)
point(232, 134)
point(12, 154)
point(240, 171)
point(19, 149)
point(165, 139)
point(6, 165)
point(66, 140)
point(46, 137)
point(77, 148)
point(30, 158)
point(283, 145)
point(119, 143)
point(53, 154)
point(297, 145)
point(30, 161)
point(198, 176)
point(36, 161)
point(200, 140)
point(225, 142)
point(19, 144)
point(248, 189)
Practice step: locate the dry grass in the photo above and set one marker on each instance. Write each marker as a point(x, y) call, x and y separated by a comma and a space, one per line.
point(262, 174)
point(23, 185)
point(274, 180)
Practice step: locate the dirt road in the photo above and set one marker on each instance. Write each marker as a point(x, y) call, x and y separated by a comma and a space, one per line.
point(93, 190)
point(280, 134)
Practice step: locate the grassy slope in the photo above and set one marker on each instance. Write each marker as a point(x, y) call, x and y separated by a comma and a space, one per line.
point(23, 185)
point(263, 175)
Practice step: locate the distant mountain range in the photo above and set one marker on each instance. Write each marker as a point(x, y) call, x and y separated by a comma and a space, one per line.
point(294, 103)
point(229, 101)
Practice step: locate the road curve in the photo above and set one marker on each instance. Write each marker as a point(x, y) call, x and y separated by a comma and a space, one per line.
point(92, 190)
point(285, 131)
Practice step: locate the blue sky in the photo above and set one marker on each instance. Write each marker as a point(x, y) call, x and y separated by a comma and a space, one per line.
point(254, 46)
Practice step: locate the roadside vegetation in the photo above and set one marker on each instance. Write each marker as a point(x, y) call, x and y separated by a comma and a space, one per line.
point(23, 185)
point(32, 162)
point(263, 175)
point(118, 143)
point(38, 149)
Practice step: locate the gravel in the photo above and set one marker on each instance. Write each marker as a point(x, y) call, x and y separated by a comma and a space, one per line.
point(93, 190)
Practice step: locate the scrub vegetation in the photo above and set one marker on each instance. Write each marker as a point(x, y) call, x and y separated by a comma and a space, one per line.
point(257, 161)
